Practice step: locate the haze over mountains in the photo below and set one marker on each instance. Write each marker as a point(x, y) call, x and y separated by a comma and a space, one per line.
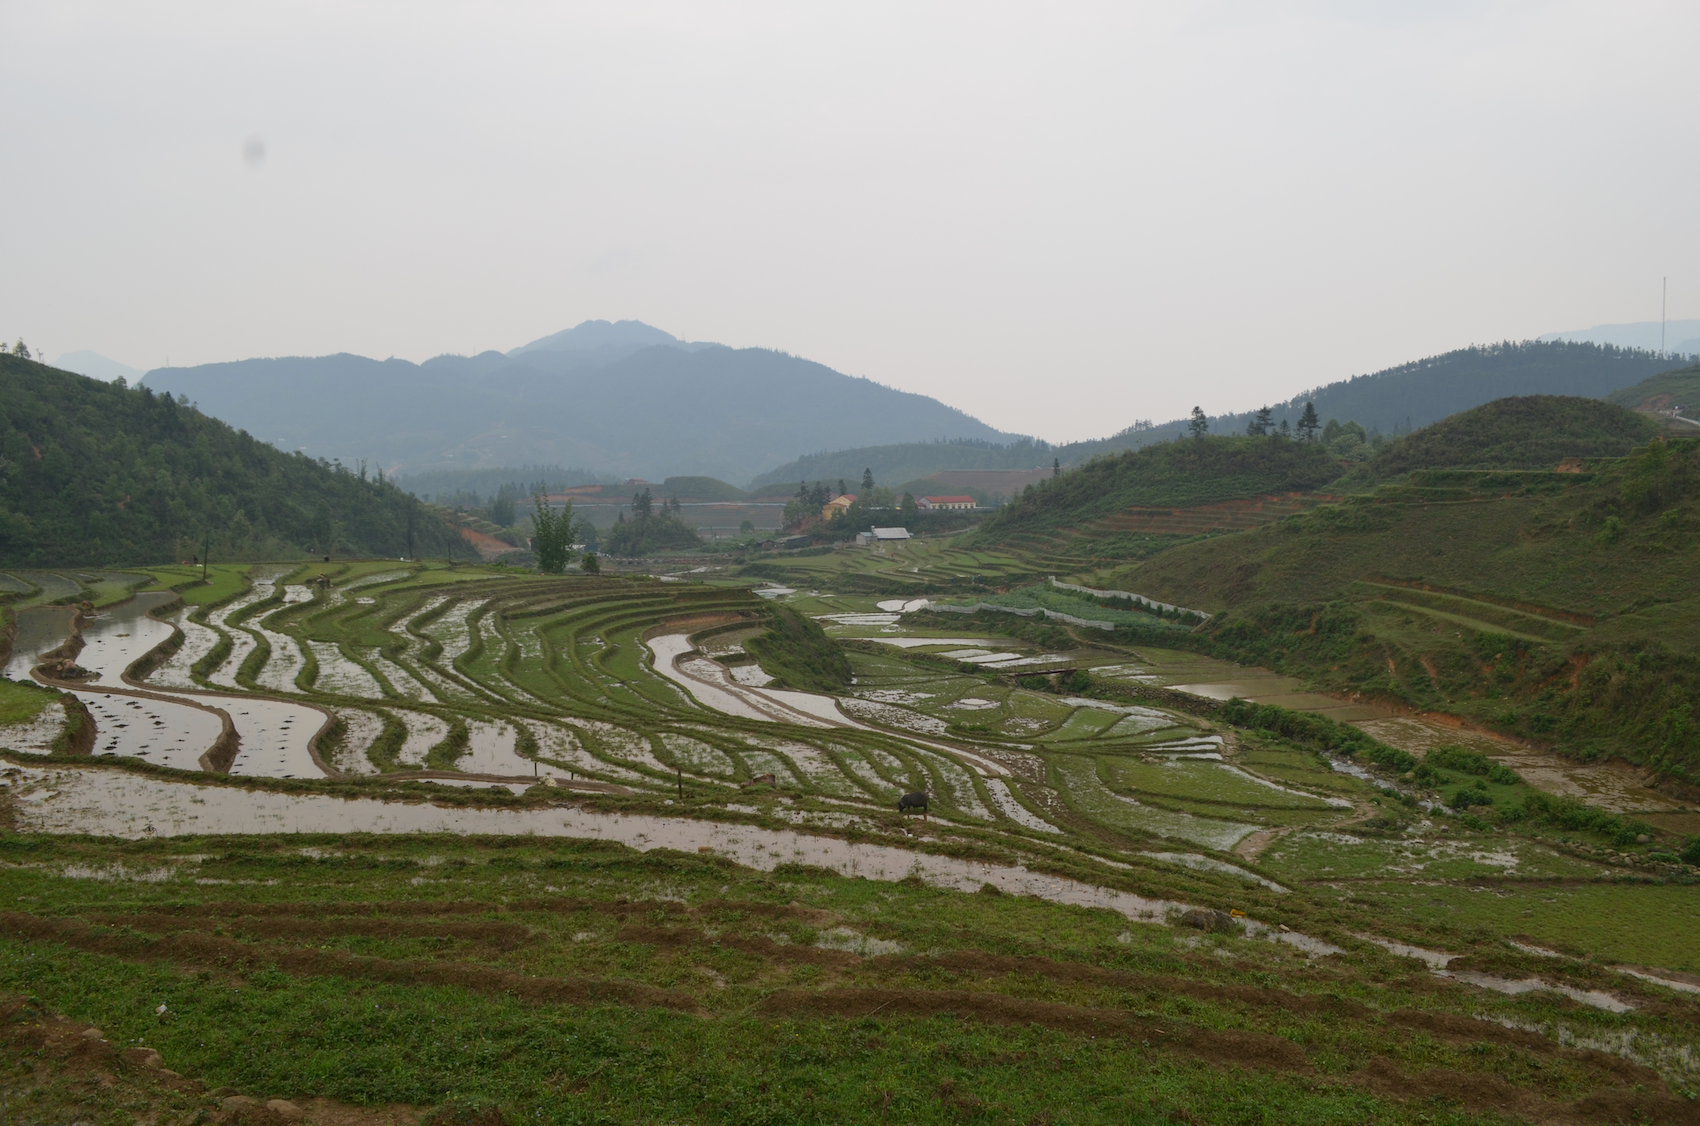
point(624, 399)
point(621, 397)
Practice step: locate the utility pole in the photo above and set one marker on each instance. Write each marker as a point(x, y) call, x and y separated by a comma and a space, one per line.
point(1664, 304)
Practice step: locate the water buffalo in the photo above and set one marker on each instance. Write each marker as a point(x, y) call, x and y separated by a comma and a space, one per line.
point(913, 801)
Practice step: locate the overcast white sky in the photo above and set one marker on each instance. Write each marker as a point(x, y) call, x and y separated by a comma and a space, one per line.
point(1059, 217)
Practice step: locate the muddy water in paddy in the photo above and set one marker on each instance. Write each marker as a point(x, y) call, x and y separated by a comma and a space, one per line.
point(40, 629)
point(198, 641)
point(166, 734)
point(162, 731)
point(115, 638)
point(110, 804)
point(166, 727)
point(490, 750)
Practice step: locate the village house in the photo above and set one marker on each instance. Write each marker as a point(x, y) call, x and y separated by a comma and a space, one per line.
point(835, 507)
point(882, 535)
point(939, 504)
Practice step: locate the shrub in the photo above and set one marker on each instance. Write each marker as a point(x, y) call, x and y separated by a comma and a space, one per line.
point(1568, 813)
point(1472, 762)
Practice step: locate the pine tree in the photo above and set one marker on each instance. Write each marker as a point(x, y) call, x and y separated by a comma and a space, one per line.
point(1308, 423)
point(867, 480)
point(1056, 467)
point(1259, 424)
point(1199, 425)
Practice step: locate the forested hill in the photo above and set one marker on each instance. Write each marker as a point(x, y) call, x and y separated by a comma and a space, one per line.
point(1188, 472)
point(1391, 401)
point(94, 474)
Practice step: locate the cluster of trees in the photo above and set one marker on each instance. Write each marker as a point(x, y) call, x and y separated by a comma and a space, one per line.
point(1346, 441)
point(95, 473)
point(652, 528)
point(874, 506)
point(553, 536)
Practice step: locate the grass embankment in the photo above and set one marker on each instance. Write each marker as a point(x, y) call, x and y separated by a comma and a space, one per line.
point(551, 981)
point(23, 700)
point(797, 653)
point(222, 582)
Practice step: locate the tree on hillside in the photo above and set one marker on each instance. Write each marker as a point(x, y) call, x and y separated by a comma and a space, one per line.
point(1056, 467)
point(1286, 431)
point(1199, 425)
point(551, 535)
point(1308, 423)
point(501, 508)
point(642, 504)
point(1259, 426)
point(867, 479)
point(908, 509)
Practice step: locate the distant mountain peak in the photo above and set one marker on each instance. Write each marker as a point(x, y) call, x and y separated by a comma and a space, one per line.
point(589, 336)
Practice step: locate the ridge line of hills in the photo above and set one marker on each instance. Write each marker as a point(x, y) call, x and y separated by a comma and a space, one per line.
point(1392, 401)
point(624, 399)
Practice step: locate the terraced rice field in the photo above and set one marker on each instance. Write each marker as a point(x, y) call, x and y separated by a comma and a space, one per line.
point(464, 674)
point(493, 706)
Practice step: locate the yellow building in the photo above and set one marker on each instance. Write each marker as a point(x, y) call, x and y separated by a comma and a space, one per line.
point(834, 507)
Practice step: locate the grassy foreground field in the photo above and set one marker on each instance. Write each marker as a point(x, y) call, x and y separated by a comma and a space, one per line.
point(572, 981)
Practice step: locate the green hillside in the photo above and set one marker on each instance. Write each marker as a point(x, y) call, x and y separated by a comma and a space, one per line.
point(1664, 391)
point(1526, 432)
point(1549, 605)
point(701, 488)
point(1192, 471)
point(95, 473)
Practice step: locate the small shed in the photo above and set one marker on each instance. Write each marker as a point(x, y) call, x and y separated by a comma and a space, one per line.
point(940, 504)
point(882, 535)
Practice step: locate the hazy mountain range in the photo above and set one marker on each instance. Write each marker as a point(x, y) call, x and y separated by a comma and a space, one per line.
point(1391, 401)
point(622, 397)
point(627, 399)
point(1681, 337)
